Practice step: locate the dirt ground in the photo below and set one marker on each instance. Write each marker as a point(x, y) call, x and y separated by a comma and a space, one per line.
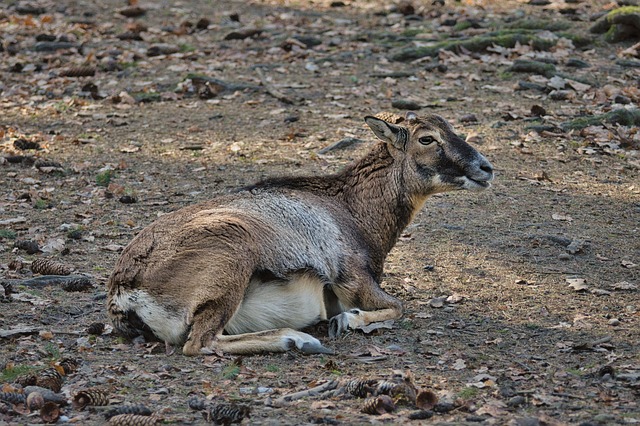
point(522, 302)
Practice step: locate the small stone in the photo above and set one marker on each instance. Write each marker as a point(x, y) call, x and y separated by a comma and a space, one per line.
point(469, 118)
point(162, 49)
point(604, 418)
point(621, 99)
point(443, 407)
point(614, 322)
point(560, 95)
point(406, 8)
point(577, 63)
point(538, 111)
point(564, 256)
point(203, 24)
point(405, 104)
point(516, 401)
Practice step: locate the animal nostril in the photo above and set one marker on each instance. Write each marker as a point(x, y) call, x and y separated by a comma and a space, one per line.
point(486, 168)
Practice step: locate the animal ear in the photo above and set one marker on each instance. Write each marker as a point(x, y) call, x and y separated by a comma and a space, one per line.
point(387, 132)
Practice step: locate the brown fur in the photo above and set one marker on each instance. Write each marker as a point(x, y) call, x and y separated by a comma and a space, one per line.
point(200, 265)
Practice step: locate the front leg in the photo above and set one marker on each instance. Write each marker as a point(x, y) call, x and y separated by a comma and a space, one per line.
point(364, 303)
point(354, 318)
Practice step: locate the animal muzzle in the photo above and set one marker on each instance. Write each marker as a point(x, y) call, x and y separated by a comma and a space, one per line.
point(478, 174)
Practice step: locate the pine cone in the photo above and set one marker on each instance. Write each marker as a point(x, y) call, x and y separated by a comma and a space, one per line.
point(92, 396)
point(96, 328)
point(49, 267)
point(400, 388)
point(86, 71)
point(12, 397)
point(226, 413)
point(69, 365)
point(35, 401)
point(426, 399)
point(15, 265)
point(385, 387)
point(197, 404)
point(79, 284)
point(49, 378)
point(132, 420)
point(137, 409)
point(380, 404)
point(361, 388)
point(26, 380)
point(48, 166)
point(50, 412)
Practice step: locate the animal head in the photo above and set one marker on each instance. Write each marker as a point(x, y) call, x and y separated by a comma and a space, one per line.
point(435, 159)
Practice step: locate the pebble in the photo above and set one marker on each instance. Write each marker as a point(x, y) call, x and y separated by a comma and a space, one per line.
point(516, 401)
point(577, 63)
point(469, 118)
point(560, 95)
point(621, 99)
point(564, 256)
point(604, 418)
point(614, 322)
point(405, 104)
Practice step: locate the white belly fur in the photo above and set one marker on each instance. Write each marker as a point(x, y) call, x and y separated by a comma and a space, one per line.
point(270, 305)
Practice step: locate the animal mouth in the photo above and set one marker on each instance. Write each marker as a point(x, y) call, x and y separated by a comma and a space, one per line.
point(482, 183)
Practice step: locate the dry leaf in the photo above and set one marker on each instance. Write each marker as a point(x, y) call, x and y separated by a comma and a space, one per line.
point(53, 245)
point(459, 364)
point(321, 405)
point(627, 263)
point(493, 408)
point(456, 298)
point(599, 292)
point(437, 302)
point(623, 285)
point(561, 216)
point(376, 326)
point(578, 284)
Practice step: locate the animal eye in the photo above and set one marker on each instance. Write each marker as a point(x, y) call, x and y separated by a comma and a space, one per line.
point(426, 140)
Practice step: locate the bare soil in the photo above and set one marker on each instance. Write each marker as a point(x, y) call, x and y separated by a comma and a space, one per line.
point(492, 324)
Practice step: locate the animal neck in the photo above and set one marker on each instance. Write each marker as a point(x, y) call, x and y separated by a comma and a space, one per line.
point(375, 192)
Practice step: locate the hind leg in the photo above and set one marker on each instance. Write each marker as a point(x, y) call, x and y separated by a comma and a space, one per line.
point(279, 340)
point(206, 335)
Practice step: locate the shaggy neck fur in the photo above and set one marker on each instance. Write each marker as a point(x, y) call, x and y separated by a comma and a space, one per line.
point(374, 190)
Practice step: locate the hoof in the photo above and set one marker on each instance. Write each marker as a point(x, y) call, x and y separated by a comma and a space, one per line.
point(315, 348)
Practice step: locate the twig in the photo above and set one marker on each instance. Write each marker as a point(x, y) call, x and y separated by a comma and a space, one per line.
point(330, 385)
point(67, 282)
point(33, 330)
point(553, 272)
point(523, 365)
point(272, 90)
point(605, 339)
point(44, 280)
point(567, 395)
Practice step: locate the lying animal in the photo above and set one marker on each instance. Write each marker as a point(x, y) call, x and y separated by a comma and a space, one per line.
point(243, 272)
